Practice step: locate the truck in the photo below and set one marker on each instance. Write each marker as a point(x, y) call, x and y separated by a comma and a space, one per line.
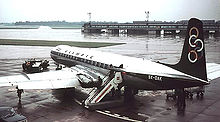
point(35, 66)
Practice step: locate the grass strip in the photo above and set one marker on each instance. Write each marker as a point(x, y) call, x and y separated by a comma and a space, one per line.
point(55, 43)
point(18, 27)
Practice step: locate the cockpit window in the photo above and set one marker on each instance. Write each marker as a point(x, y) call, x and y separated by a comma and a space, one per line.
point(58, 49)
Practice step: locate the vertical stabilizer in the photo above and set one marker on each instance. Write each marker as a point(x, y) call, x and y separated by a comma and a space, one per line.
point(193, 61)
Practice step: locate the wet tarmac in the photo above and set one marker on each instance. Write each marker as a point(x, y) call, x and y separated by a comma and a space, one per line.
point(42, 105)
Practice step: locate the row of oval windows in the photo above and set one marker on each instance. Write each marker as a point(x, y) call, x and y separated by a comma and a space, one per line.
point(91, 62)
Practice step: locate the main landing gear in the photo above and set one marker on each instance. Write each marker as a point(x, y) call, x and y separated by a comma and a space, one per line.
point(129, 94)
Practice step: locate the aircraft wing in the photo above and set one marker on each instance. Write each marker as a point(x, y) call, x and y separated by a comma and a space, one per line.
point(213, 71)
point(64, 78)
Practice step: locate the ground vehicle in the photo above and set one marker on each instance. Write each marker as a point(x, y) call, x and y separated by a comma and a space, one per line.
point(188, 92)
point(7, 114)
point(34, 66)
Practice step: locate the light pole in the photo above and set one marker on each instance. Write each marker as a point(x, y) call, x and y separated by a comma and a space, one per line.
point(90, 15)
point(147, 15)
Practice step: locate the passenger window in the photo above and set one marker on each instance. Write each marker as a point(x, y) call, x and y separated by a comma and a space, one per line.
point(98, 64)
point(102, 65)
point(106, 66)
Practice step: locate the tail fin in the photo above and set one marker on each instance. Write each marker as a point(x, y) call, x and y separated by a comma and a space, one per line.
point(193, 61)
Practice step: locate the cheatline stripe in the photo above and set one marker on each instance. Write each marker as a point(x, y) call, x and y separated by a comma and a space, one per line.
point(103, 92)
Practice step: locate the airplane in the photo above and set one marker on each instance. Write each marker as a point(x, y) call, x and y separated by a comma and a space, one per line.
point(116, 71)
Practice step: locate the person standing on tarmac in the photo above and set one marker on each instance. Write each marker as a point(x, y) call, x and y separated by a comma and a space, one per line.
point(19, 92)
point(181, 103)
point(183, 97)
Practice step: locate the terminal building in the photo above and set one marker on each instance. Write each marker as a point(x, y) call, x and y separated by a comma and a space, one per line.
point(150, 27)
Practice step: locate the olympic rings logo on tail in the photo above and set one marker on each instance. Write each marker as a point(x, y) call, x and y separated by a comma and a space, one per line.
point(195, 51)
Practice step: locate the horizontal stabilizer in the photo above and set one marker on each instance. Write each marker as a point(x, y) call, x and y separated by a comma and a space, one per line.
point(213, 71)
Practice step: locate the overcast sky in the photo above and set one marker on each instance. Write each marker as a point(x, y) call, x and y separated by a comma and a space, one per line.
point(107, 10)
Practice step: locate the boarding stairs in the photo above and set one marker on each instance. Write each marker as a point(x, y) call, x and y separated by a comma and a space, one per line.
point(109, 82)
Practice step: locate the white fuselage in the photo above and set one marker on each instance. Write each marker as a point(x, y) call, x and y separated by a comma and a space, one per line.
point(152, 72)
